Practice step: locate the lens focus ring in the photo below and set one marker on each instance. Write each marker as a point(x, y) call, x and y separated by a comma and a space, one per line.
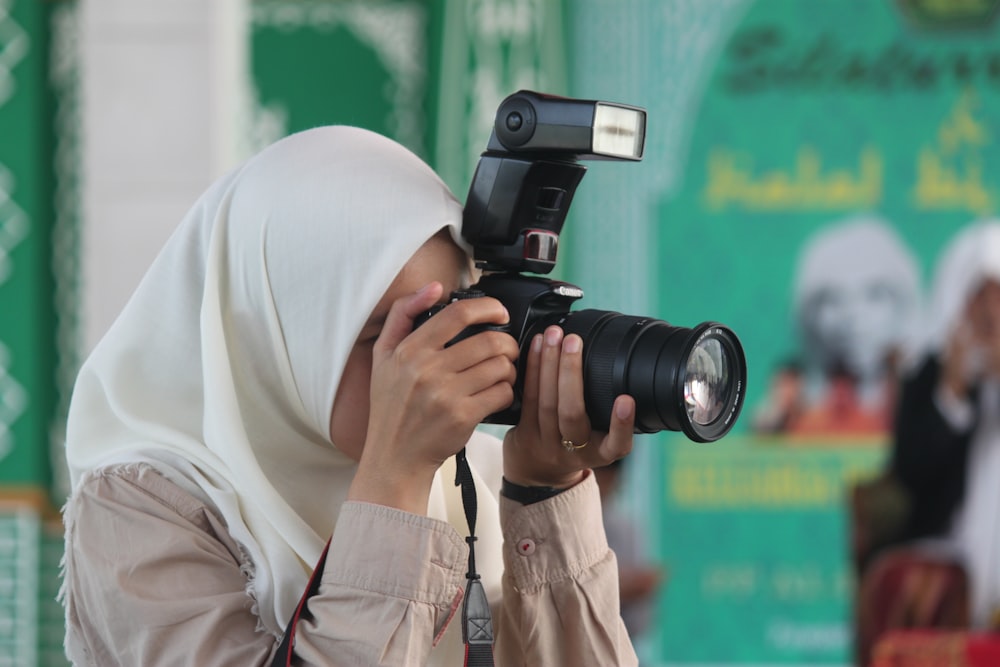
point(603, 333)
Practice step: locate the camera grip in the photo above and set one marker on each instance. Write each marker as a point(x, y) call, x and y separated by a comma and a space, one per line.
point(460, 295)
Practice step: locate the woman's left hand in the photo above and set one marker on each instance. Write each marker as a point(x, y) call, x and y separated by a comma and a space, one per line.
point(540, 451)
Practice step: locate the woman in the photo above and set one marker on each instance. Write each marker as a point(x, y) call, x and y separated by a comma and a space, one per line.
point(934, 533)
point(946, 446)
point(265, 389)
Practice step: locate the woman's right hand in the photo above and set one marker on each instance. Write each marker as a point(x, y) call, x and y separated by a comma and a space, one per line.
point(426, 398)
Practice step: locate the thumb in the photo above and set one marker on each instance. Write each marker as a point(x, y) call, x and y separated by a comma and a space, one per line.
point(399, 321)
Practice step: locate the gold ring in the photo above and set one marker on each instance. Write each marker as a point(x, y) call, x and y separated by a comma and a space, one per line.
point(571, 446)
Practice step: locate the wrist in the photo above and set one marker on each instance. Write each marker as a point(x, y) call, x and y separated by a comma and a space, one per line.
point(527, 495)
point(525, 477)
point(383, 485)
point(528, 487)
point(525, 470)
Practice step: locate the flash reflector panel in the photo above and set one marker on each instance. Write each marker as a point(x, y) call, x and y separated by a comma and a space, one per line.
point(619, 131)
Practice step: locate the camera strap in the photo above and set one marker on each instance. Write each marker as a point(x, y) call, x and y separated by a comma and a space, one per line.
point(477, 620)
point(283, 656)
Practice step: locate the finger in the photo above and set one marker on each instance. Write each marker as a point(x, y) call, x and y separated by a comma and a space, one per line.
point(529, 387)
point(492, 399)
point(480, 347)
point(617, 442)
point(482, 376)
point(474, 394)
point(399, 321)
point(621, 434)
point(460, 315)
point(572, 412)
point(548, 385)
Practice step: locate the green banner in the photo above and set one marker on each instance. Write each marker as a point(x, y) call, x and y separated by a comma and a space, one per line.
point(26, 309)
point(806, 164)
point(488, 50)
point(428, 73)
point(322, 62)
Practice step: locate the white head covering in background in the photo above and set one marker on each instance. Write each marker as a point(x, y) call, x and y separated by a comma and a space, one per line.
point(223, 367)
point(972, 256)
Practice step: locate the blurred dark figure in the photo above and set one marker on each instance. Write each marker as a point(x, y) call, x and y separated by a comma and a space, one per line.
point(639, 579)
point(928, 531)
point(784, 403)
point(841, 411)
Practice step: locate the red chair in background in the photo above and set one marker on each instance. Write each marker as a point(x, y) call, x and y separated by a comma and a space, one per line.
point(907, 589)
point(936, 648)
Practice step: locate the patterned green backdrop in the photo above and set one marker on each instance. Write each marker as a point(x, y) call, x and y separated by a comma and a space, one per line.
point(771, 122)
point(794, 148)
point(38, 279)
point(25, 214)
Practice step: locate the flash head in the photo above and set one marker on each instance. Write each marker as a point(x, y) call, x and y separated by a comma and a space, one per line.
point(529, 122)
point(526, 178)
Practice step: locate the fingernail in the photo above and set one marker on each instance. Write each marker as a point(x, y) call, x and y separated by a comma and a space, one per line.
point(572, 344)
point(552, 336)
point(623, 410)
point(536, 343)
point(423, 290)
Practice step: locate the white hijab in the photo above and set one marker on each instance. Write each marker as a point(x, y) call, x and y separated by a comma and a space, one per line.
point(970, 258)
point(222, 369)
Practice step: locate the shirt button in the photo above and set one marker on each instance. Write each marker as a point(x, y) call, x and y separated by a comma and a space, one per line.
point(526, 547)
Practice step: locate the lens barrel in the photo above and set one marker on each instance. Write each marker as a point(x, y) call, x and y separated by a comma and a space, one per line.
point(690, 380)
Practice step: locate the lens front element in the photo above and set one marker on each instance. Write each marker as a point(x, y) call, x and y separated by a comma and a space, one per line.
point(712, 381)
point(706, 381)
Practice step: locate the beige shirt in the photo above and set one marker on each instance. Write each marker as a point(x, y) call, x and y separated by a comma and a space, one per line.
point(153, 578)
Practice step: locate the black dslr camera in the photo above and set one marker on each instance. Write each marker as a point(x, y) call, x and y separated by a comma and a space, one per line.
point(690, 380)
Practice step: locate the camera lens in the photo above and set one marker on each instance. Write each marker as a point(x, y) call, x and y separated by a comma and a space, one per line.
point(682, 379)
point(706, 381)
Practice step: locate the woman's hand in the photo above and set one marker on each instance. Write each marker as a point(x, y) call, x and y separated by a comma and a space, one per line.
point(426, 399)
point(553, 411)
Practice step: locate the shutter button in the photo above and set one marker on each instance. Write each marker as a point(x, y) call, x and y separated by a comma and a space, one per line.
point(526, 547)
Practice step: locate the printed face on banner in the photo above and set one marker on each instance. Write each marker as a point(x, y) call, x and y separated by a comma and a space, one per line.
point(856, 306)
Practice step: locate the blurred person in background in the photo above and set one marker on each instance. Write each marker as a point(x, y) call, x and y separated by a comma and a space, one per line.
point(945, 460)
point(946, 450)
point(264, 404)
point(639, 578)
point(784, 401)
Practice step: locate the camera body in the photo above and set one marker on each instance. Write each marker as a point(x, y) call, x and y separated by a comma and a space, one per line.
point(690, 380)
point(533, 303)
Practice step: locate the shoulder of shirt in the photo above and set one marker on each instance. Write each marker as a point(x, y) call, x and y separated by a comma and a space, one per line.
point(137, 484)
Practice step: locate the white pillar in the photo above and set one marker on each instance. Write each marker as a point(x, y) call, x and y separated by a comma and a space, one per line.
point(160, 82)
